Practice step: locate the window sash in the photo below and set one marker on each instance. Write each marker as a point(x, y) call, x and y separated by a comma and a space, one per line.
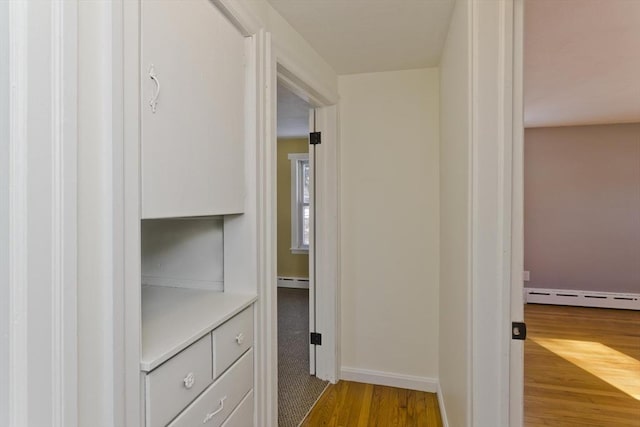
point(299, 203)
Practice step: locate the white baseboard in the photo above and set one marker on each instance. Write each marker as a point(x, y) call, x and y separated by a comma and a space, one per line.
point(389, 379)
point(293, 282)
point(443, 411)
point(626, 301)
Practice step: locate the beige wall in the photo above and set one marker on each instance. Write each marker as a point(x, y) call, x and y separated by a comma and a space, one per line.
point(455, 242)
point(582, 207)
point(389, 221)
point(289, 264)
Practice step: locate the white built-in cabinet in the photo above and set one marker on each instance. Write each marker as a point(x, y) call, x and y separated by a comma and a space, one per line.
point(193, 91)
point(197, 314)
point(197, 356)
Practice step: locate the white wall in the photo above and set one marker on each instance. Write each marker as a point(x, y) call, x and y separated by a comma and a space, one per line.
point(389, 141)
point(455, 240)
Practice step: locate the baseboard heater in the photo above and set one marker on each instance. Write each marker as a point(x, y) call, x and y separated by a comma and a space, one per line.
point(293, 282)
point(582, 298)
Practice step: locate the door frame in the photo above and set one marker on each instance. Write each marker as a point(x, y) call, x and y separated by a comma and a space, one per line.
point(495, 99)
point(284, 69)
point(38, 214)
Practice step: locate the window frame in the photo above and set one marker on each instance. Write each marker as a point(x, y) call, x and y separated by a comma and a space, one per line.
point(297, 161)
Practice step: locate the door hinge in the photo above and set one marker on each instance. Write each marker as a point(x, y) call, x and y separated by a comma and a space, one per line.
point(315, 138)
point(518, 331)
point(316, 338)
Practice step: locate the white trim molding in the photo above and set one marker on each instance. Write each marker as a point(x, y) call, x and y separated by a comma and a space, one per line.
point(410, 382)
point(491, 173)
point(516, 350)
point(619, 300)
point(42, 205)
point(64, 115)
point(441, 405)
point(241, 15)
point(18, 224)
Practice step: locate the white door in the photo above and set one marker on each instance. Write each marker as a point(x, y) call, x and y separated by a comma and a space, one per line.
point(312, 242)
point(193, 84)
point(516, 374)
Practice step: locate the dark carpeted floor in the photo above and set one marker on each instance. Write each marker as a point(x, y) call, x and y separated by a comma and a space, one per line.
point(297, 390)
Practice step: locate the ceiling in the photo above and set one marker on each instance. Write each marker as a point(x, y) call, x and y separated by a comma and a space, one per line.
point(363, 36)
point(293, 114)
point(582, 62)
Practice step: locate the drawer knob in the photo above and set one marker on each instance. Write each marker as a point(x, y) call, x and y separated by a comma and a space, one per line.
point(189, 380)
point(240, 338)
point(210, 415)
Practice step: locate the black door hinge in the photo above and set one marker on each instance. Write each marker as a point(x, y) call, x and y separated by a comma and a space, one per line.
point(518, 331)
point(315, 138)
point(316, 338)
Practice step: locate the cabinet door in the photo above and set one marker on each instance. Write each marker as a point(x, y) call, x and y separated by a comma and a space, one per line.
point(192, 139)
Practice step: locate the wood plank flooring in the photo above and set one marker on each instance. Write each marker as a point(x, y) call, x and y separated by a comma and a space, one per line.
point(351, 404)
point(582, 367)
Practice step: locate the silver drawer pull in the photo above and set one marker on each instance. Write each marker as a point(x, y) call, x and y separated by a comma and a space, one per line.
point(216, 412)
point(240, 338)
point(189, 380)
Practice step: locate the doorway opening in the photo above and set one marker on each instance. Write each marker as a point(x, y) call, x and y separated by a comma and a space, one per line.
point(579, 174)
point(298, 387)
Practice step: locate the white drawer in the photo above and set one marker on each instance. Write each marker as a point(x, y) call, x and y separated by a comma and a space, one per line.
point(242, 416)
point(172, 385)
point(232, 339)
point(213, 406)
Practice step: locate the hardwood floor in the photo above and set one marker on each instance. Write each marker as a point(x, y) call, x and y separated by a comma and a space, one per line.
point(350, 404)
point(582, 367)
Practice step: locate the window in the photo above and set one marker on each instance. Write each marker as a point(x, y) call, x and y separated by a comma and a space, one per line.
point(300, 197)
